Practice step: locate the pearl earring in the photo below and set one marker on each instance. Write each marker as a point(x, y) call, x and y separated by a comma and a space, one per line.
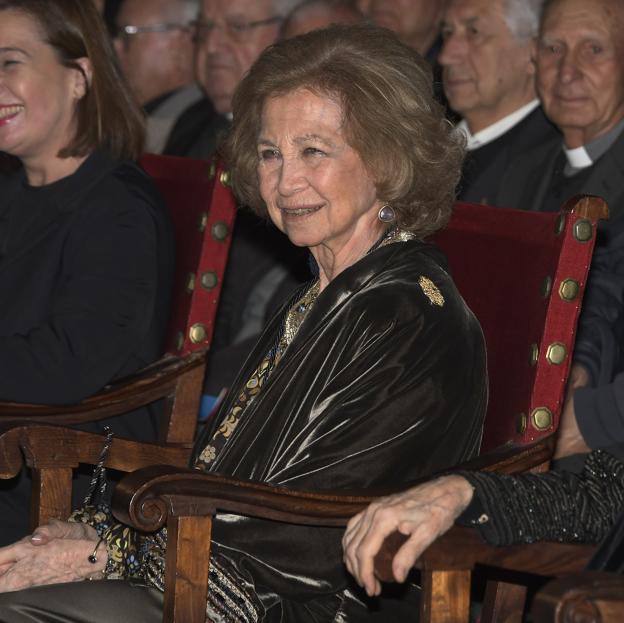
point(386, 214)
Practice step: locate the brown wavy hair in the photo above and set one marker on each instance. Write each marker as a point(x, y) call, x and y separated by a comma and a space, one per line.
point(107, 115)
point(390, 117)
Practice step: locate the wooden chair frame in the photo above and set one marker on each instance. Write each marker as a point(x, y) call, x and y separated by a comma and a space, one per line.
point(185, 500)
point(588, 597)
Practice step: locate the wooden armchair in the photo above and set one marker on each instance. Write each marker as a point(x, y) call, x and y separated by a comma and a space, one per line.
point(202, 210)
point(589, 597)
point(544, 258)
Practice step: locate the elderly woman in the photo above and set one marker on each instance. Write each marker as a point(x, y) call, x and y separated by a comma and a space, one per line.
point(86, 253)
point(371, 375)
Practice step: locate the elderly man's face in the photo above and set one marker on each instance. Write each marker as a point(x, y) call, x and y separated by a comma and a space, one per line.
point(487, 73)
point(580, 68)
point(154, 63)
point(231, 36)
point(412, 20)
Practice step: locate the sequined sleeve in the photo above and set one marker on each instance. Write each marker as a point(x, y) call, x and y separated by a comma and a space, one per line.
point(553, 506)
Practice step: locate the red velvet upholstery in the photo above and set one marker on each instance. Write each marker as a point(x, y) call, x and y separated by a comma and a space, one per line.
point(202, 209)
point(502, 260)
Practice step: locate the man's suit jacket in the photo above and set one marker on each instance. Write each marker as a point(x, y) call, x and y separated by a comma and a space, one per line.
point(486, 166)
point(527, 182)
point(163, 113)
point(197, 131)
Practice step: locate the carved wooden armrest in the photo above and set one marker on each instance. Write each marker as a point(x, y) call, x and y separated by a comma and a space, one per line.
point(187, 499)
point(591, 596)
point(210, 491)
point(150, 384)
point(50, 446)
point(144, 499)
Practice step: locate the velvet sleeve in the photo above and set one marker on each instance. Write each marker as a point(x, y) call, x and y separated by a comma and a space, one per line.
point(552, 506)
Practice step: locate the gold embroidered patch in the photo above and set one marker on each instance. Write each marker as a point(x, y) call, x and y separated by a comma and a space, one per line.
point(431, 291)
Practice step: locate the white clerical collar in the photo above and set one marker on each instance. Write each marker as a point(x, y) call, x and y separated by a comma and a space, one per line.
point(578, 158)
point(494, 131)
point(585, 156)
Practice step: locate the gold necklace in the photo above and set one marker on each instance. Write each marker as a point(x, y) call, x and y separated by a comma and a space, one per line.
point(297, 313)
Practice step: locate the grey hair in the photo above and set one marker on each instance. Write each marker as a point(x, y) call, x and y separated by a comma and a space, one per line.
point(523, 17)
point(284, 7)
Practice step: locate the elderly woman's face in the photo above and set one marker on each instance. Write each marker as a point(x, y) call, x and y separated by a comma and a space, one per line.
point(37, 94)
point(315, 185)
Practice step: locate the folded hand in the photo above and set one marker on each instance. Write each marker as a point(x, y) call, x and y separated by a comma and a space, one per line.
point(54, 553)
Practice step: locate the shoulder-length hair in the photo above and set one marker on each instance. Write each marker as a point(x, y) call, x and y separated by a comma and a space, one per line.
point(390, 117)
point(107, 115)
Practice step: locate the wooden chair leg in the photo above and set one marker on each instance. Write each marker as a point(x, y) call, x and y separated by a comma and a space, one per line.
point(185, 597)
point(445, 597)
point(503, 602)
point(51, 495)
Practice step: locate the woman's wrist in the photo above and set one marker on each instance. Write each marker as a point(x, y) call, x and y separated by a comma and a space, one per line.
point(459, 491)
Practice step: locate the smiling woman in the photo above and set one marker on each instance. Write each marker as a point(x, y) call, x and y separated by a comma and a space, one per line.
point(85, 248)
point(373, 373)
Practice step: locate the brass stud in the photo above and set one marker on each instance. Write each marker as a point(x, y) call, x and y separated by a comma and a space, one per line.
point(569, 289)
point(560, 224)
point(547, 286)
point(220, 231)
point(556, 353)
point(583, 230)
point(533, 354)
point(197, 333)
point(203, 221)
point(521, 423)
point(190, 282)
point(542, 418)
point(179, 340)
point(224, 178)
point(212, 170)
point(209, 280)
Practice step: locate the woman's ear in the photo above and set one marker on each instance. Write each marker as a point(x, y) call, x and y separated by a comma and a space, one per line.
point(82, 78)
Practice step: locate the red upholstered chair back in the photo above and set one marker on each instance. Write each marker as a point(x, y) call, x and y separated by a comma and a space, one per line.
point(202, 209)
point(523, 274)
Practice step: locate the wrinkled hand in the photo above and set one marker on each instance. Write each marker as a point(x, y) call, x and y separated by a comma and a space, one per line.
point(54, 553)
point(422, 513)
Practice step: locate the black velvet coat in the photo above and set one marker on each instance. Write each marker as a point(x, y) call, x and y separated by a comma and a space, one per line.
point(385, 382)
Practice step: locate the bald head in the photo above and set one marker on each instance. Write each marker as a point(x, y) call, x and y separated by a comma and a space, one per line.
point(315, 14)
point(580, 67)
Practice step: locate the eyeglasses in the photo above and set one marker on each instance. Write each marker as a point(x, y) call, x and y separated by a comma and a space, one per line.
point(128, 30)
point(235, 29)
